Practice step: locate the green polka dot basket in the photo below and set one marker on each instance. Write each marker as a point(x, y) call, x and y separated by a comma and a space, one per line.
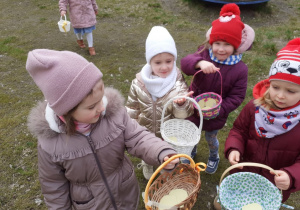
point(243, 188)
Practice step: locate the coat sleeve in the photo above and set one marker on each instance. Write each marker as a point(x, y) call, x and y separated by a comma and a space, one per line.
point(143, 144)
point(132, 104)
point(238, 135)
point(236, 95)
point(189, 62)
point(294, 172)
point(55, 186)
point(95, 6)
point(63, 5)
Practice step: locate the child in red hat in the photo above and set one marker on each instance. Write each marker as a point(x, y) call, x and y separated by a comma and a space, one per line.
point(226, 40)
point(267, 130)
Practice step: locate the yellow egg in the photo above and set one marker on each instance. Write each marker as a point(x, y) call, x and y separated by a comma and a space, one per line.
point(175, 197)
point(201, 103)
point(173, 138)
point(252, 206)
point(206, 108)
point(211, 103)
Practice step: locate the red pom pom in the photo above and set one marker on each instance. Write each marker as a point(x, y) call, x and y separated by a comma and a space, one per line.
point(227, 8)
point(295, 41)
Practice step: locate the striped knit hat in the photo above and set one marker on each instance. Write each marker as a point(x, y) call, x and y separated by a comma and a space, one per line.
point(286, 67)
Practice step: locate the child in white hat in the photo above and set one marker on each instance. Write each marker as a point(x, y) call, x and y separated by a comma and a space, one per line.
point(83, 131)
point(267, 130)
point(158, 82)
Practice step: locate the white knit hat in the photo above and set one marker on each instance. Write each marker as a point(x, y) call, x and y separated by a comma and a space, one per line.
point(158, 41)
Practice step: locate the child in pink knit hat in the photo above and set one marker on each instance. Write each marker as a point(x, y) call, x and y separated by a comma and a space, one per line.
point(83, 131)
point(267, 130)
point(218, 68)
point(83, 19)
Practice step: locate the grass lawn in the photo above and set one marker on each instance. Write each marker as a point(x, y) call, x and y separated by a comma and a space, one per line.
point(119, 39)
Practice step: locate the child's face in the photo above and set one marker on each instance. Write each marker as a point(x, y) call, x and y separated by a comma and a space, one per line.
point(91, 107)
point(162, 64)
point(222, 50)
point(284, 94)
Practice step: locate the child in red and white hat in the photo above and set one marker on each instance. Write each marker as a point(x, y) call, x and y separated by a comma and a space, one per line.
point(267, 130)
point(226, 40)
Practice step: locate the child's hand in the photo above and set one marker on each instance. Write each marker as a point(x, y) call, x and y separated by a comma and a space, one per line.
point(62, 13)
point(172, 164)
point(207, 67)
point(282, 181)
point(234, 158)
point(181, 101)
point(96, 12)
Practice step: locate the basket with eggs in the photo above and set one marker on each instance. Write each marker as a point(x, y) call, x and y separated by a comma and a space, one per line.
point(209, 102)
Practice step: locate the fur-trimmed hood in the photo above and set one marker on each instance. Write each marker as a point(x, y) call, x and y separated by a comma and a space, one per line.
point(39, 126)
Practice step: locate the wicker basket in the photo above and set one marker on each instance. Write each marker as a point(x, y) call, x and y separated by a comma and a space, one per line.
point(214, 111)
point(184, 176)
point(244, 188)
point(186, 132)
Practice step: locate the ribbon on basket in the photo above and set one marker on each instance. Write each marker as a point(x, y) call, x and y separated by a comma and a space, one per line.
point(64, 25)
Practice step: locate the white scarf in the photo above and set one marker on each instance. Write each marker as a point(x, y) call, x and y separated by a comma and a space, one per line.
point(269, 124)
point(158, 86)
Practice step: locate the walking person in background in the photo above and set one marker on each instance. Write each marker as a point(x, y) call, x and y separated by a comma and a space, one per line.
point(267, 130)
point(83, 131)
point(226, 40)
point(158, 82)
point(83, 19)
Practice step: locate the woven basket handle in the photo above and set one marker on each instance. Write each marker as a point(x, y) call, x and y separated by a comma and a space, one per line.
point(192, 163)
point(246, 164)
point(201, 71)
point(177, 97)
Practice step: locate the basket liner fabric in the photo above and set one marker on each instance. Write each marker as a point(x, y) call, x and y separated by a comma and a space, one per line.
point(243, 188)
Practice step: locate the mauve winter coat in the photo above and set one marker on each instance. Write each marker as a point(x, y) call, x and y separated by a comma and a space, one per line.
point(141, 107)
point(81, 12)
point(68, 171)
point(234, 86)
point(280, 153)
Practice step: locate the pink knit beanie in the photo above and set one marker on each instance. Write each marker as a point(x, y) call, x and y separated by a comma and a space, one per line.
point(64, 77)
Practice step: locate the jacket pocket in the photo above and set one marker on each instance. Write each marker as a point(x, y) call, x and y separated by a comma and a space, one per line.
point(82, 197)
point(84, 206)
point(129, 192)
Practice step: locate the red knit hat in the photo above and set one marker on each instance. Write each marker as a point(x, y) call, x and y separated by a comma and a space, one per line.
point(286, 67)
point(228, 27)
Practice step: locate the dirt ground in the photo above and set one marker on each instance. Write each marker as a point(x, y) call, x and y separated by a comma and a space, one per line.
point(119, 41)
